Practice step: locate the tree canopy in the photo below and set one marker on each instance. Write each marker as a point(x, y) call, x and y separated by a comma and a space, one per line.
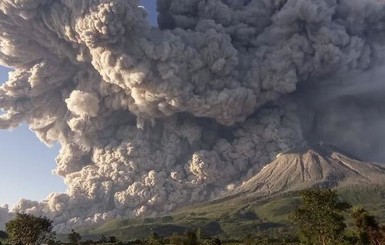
point(320, 218)
point(367, 228)
point(28, 229)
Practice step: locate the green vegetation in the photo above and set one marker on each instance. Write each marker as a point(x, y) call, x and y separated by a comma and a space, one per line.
point(370, 197)
point(237, 218)
point(308, 217)
point(28, 229)
point(367, 229)
point(320, 218)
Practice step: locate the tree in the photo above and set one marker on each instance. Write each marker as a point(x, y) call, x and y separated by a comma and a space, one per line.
point(28, 229)
point(215, 241)
point(154, 239)
point(112, 239)
point(319, 218)
point(176, 240)
point(191, 238)
point(74, 237)
point(367, 228)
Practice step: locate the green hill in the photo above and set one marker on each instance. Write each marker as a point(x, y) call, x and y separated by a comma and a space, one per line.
point(236, 218)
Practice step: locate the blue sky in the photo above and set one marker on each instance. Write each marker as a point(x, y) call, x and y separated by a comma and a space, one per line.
point(26, 164)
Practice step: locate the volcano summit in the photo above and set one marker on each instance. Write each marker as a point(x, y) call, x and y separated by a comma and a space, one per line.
point(309, 166)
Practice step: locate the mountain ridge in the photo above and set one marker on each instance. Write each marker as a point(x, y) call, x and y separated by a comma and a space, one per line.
point(311, 165)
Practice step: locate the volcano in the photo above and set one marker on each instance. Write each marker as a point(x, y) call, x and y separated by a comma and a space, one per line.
point(312, 165)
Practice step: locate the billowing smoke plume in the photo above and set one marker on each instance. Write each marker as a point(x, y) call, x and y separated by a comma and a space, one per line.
point(153, 118)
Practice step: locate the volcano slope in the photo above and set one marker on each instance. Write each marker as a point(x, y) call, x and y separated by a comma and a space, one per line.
point(311, 165)
point(267, 199)
point(272, 194)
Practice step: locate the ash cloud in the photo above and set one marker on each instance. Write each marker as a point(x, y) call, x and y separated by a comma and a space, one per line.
point(150, 119)
point(350, 115)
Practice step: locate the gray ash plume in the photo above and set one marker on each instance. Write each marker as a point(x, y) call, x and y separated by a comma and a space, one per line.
point(150, 119)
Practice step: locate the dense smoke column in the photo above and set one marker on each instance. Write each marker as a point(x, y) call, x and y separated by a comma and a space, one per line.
point(348, 115)
point(152, 118)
